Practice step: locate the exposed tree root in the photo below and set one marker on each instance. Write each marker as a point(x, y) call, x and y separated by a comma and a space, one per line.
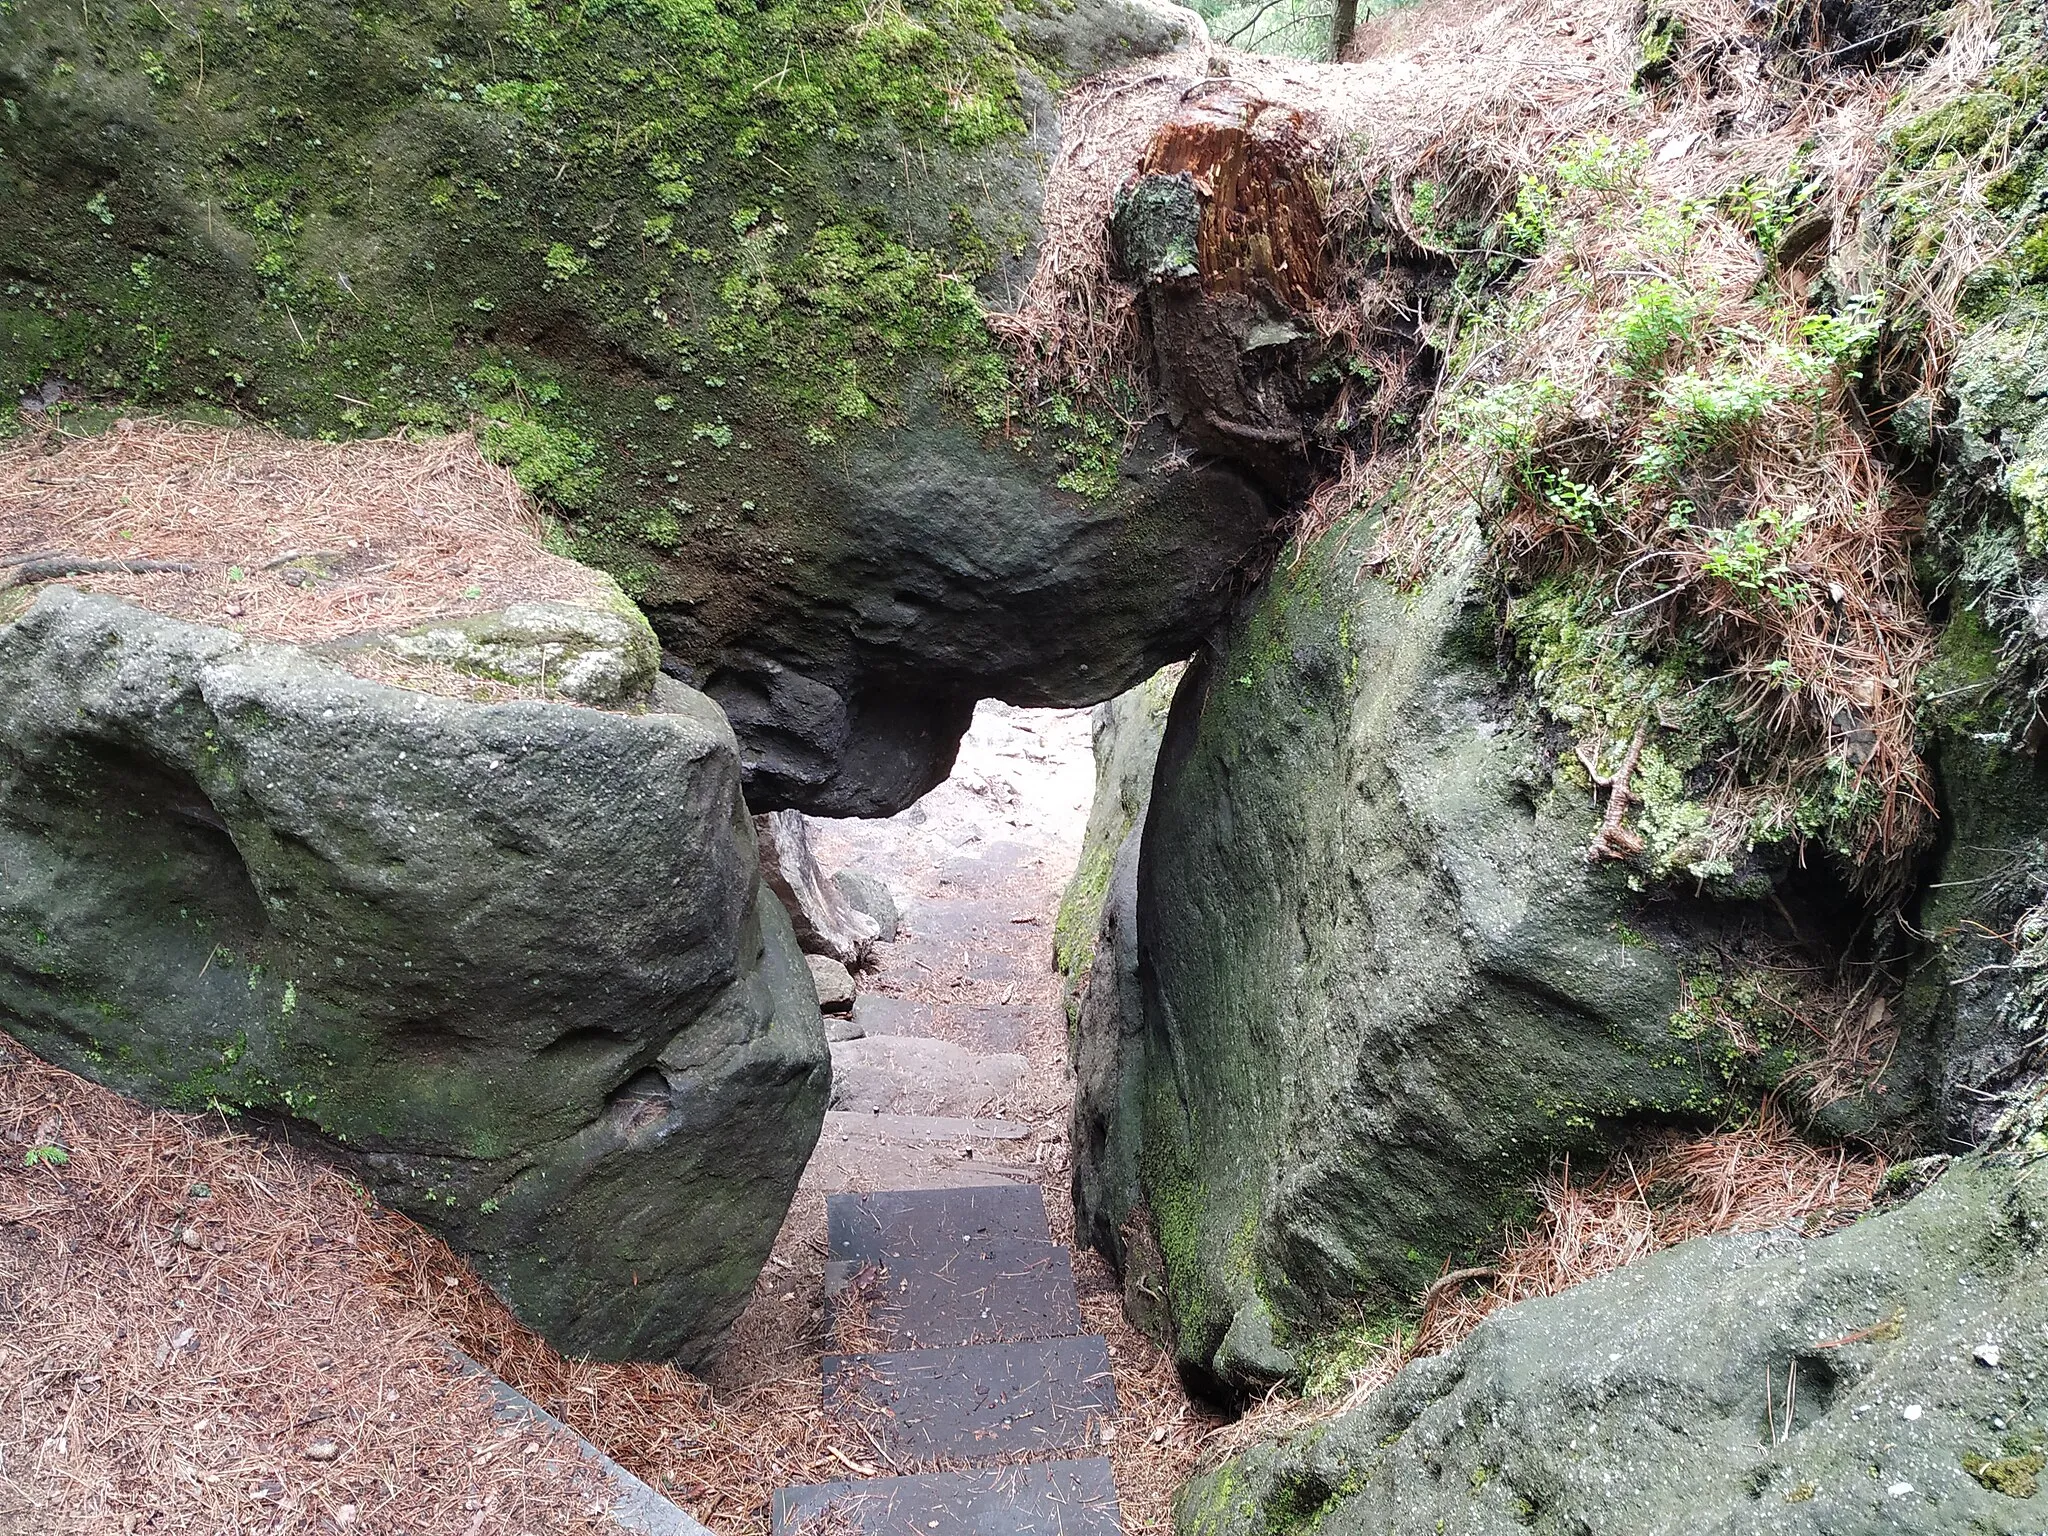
point(1613, 840)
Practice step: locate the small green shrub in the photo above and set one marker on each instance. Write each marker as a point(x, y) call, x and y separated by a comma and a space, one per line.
point(1752, 556)
point(1597, 163)
point(1507, 420)
point(1576, 504)
point(1525, 228)
point(1657, 322)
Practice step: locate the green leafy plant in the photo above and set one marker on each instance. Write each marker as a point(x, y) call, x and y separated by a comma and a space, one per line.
point(1507, 420)
point(1841, 340)
point(565, 263)
point(1576, 504)
point(1597, 163)
point(1424, 197)
point(1753, 556)
point(46, 1157)
point(1525, 228)
point(1771, 208)
point(1657, 322)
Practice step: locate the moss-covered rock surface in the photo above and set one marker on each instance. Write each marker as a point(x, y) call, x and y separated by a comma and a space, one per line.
point(1903, 1358)
point(1382, 986)
point(1124, 734)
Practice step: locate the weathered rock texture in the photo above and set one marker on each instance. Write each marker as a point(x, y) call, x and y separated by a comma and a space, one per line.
point(724, 315)
point(1381, 986)
point(826, 922)
point(513, 962)
point(870, 897)
point(1637, 1403)
point(1124, 734)
point(1096, 946)
point(1981, 981)
point(586, 653)
point(834, 983)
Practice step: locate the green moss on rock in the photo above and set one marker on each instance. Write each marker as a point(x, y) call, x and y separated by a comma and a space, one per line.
point(628, 234)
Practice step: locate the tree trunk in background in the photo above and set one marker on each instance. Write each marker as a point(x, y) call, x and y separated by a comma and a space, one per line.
point(1342, 25)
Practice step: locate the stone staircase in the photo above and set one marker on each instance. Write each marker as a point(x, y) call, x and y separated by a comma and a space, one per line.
point(976, 1380)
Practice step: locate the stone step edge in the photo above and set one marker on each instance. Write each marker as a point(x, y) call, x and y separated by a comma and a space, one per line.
point(637, 1508)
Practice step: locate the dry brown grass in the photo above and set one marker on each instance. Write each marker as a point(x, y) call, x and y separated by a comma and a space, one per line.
point(188, 1314)
point(1458, 87)
point(1161, 1436)
point(1820, 656)
point(1665, 1191)
point(295, 541)
point(1458, 107)
point(314, 1313)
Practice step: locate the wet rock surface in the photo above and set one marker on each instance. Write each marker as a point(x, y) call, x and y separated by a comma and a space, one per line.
point(513, 962)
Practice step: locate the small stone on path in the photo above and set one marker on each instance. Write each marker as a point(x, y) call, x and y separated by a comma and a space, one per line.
point(834, 983)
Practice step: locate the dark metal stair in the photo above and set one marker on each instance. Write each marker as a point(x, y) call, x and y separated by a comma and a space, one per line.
point(996, 1291)
point(1059, 1498)
point(978, 1358)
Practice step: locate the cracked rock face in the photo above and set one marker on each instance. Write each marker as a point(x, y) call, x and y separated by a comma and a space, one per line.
point(512, 962)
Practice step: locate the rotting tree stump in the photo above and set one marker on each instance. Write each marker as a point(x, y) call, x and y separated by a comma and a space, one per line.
point(1258, 169)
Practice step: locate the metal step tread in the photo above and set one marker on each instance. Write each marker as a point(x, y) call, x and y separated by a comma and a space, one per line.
point(1057, 1498)
point(998, 1291)
point(975, 1402)
point(931, 1222)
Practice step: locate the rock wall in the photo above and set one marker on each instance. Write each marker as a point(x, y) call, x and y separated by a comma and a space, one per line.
point(1381, 985)
point(1124, 734)
point(513, 962)
point(1638, 1402)
point(724, 316)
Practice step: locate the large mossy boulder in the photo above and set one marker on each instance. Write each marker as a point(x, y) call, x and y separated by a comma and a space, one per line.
point(1980, 980)
point(1883, 1379)
point(713, 279)
point(1382, 985)
point(513, 962)
point(1978, 985)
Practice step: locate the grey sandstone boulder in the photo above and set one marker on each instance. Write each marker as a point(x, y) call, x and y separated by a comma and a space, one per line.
point(1378, 986)
point(868, 895)
point(1636, 1404)
point(737, 344)
point(1109, 1084)
point(1124, 736)
point(833, 981)
point(512, 962)
point(589, 654)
